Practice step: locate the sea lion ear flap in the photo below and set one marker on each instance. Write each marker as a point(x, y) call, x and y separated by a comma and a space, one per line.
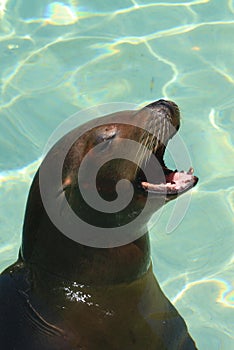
point(33, 213)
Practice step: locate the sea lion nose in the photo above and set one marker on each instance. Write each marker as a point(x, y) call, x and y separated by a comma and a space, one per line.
point(166, 109)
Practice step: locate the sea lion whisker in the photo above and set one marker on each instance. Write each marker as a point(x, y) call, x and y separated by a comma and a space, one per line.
point(163, 137)
point(168, 124)
point(146, 153)
point(142, 157)
point(139, 156)
point(157, 138)
point(151, 148)
point(142, 148)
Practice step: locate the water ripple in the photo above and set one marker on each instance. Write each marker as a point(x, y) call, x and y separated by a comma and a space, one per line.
point(58, 57)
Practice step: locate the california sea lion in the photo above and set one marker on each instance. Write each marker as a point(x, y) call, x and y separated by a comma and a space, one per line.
point(62, 294)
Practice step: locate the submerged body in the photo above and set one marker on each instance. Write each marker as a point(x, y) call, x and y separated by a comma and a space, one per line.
point(66, 315)
point(61, 294)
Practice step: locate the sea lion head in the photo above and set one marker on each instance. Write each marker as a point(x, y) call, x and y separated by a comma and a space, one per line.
point(125, 151)
point(128, 146)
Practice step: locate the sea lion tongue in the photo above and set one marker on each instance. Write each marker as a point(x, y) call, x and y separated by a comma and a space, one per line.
point(176, 183)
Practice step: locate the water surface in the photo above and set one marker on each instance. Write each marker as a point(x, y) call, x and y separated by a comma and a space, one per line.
point(57, 58)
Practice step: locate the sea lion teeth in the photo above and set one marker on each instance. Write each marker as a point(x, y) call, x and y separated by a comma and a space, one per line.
point(190, 171)
point(179, 181)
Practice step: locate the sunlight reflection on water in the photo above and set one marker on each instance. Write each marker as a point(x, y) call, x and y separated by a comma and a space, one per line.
point(60, 57)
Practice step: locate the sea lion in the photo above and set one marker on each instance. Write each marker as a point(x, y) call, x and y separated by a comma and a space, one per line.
point(62, 294)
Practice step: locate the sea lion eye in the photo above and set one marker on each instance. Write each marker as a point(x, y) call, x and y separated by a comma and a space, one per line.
point(106, 138)
point(106, 142)
point(109, 137)
point(108, 134)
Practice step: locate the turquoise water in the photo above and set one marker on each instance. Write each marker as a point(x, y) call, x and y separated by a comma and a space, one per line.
point(57, 58)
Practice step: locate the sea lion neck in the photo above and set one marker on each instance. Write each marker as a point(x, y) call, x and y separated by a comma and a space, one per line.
point(45, 247)
point(67, 260)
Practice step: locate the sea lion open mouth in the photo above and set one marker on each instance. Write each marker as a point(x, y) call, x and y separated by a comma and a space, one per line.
point(175, 182)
